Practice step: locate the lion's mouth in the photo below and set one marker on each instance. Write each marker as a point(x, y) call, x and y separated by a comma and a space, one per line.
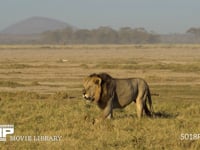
point(88, 98)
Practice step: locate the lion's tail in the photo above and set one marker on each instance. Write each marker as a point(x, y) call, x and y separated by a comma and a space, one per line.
point(150, 102)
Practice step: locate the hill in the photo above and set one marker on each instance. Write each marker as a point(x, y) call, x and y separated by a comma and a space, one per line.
point(35, 25)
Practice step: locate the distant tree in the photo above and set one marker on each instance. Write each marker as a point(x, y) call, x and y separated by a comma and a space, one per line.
point(52, 37)
point(82, 36)
point(105, 35)
point(194, 31)
point(125, 35)
point(67, 35)
point(128, 35)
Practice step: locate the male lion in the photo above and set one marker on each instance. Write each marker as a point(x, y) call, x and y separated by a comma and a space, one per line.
point(110, 93)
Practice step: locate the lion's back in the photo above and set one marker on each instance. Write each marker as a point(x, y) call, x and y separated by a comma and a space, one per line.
point(128, 89)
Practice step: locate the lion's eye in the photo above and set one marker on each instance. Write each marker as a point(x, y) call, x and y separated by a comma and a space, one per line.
point(89, 88)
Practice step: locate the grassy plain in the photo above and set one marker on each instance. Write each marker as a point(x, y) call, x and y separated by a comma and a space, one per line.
point(40, 93)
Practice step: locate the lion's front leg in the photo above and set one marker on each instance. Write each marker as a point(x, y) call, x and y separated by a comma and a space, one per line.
point(108, 112)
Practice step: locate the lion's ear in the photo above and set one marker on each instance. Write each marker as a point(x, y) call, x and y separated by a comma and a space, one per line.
point(97, 81)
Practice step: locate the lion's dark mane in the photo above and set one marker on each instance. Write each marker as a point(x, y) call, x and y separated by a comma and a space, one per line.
point(108, 87)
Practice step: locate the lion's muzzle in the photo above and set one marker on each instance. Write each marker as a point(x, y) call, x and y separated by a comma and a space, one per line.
point(86, 96)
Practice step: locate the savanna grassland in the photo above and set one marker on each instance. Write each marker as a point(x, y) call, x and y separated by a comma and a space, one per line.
point(40, 93)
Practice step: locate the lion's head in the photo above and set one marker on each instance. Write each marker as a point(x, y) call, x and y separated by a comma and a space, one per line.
point(98, 88)
point(92, 88)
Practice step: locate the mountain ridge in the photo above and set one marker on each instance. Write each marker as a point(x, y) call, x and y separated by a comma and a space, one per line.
point(35, 25)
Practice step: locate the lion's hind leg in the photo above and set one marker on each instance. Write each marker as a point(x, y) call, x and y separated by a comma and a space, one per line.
point(139, 107)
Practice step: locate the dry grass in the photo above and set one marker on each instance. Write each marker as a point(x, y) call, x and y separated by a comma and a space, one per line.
point(41, 95)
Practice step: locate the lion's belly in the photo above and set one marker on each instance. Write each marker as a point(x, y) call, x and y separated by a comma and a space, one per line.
point(126, 92)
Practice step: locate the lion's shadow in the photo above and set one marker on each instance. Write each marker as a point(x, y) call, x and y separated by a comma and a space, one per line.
point(163, 114)
point(159, 114)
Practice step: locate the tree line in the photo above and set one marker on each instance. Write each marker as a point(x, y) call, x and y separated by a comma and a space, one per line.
point(101, 35)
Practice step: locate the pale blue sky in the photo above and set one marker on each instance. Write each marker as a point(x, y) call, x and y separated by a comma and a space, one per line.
point(161, 16)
